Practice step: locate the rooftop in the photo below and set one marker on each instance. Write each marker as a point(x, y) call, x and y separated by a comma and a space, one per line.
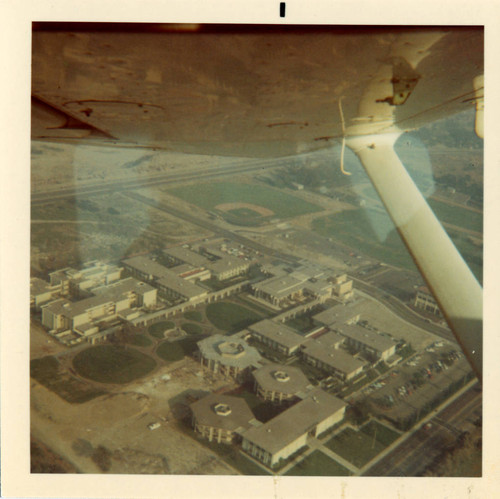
point(279, 378)
point(295, 421)
point(103, 295)
point(277, 332)
point(229, 351)
point(227, 263)
point(181, 286)
point(188, 256)
point(337, 359)
point(280, 286)
point(367, 337)
point(223, 411)
point(147, 266)
point(39, 286)
point(340, 314)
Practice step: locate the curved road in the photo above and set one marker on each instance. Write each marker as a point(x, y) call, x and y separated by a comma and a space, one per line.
point(400, 309)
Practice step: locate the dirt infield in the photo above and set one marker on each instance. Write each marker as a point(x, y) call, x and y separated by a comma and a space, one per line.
point(235, 206)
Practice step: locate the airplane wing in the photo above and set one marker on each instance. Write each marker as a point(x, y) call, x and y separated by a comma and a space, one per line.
point(274, 91)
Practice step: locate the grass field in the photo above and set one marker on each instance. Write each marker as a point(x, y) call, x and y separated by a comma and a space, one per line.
point(158, 329)
point(140, 340)
point(355, 229)
point(318, 464)
point(176, 350)
point(244, 213)
point(385, 436)
point(208, 196)
point(230, 317)
point(461, 217)
point(193, 315)
point(191, 328)
point(355, 446)
point(47, 371)
point(112, 364)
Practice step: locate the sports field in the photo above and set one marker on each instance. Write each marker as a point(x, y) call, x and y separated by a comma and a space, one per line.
point(250, 202)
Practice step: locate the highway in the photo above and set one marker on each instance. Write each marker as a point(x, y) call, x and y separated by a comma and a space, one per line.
point(417, 452)
point(170, 177)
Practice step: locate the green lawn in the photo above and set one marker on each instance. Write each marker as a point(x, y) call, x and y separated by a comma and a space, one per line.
point(318, 464)
point(208, 196)
point(140, 340)
point(384, 435)
point(176, 350)
point(112, 364)
point(158, 329)
point(356, 228)
point(355, 446)
point(455, 215)
point(48, 372)
point(193, 315)
point(231, 317)
point(191, 328)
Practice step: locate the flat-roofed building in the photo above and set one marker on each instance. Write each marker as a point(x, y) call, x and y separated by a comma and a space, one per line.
point(81, 281)
point(277, 290)
point(285, 434)
point(222, 418)
point(228, 267)
point(145, 269)
point(179, 255)
point(366, 340)
point(425, 301)
point(94, 273)
point(109, 302)
point(277, 336)
point(229, 356)
point(342, 287)
point(191, 273)
point(42, 292)
point(340, 314)
point(332, 360)
point(174, 287)
point(279, 383)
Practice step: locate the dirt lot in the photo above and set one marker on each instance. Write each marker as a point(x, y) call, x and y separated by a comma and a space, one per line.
point(119, 422)
point(41, 344)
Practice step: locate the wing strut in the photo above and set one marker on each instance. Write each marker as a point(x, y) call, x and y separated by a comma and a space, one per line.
point(455, 288)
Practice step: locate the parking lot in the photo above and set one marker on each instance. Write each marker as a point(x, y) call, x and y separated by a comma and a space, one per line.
point(413, 386)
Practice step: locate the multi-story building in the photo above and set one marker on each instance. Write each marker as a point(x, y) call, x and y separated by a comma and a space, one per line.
point(119, 299)
point(288, 432)
point(426, 301)
point(324, 353)
point(231, 357)
point(278, 383)
point(222, 418)
point(377, 345)
point(277, 336)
